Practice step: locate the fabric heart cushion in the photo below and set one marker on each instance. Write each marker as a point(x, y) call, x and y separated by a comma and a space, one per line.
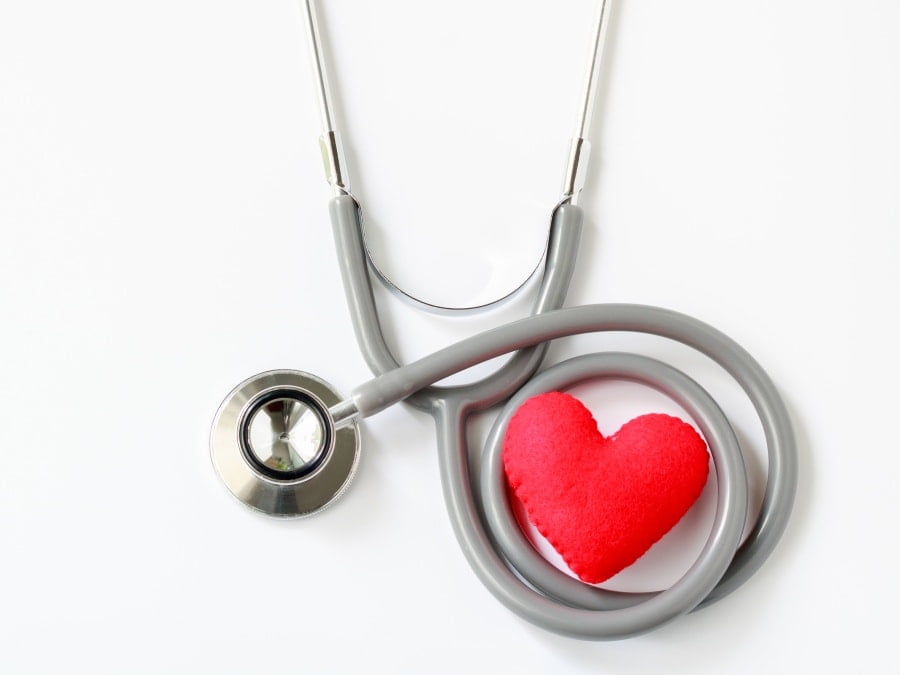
point(601, 502)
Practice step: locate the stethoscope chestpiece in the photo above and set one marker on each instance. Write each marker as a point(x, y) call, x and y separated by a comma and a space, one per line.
point(275, 445)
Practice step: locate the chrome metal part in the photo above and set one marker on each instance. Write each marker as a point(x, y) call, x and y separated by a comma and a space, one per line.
point(593, 72)
point(333, 160)
point(275, 445)
point(576, 169)
point(344, 414)
point(576, 165)
point(329, 142)
point(286, 434)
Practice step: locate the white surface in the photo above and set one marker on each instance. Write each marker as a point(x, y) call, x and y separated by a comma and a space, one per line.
point(164, 221)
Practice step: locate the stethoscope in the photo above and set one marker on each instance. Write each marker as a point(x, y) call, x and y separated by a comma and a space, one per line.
point(287, 444)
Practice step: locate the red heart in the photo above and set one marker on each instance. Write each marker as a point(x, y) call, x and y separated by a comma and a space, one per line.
point(601, 502)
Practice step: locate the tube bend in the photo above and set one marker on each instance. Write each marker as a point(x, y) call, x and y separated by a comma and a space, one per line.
point(558, 265)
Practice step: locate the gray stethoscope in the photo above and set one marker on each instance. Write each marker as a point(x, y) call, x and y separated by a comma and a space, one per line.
point(285, 443)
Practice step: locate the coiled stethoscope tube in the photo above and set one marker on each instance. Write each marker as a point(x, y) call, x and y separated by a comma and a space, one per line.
point(482, 518)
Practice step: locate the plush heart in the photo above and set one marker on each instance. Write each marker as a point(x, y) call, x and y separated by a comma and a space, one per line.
point(600, 501)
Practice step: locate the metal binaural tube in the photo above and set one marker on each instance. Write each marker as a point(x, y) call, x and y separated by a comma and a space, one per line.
point(593, 72)
point(323, 92)
point(579, 152)
point(329, 141)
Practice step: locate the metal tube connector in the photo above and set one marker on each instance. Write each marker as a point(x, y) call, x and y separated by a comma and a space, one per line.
point(576, 169)
point(333, 160)
point(579, 153)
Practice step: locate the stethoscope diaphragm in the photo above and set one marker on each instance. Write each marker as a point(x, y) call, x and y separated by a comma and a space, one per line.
point(275, 446)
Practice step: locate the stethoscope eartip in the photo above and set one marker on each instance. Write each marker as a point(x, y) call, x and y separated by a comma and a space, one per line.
point(275, 445)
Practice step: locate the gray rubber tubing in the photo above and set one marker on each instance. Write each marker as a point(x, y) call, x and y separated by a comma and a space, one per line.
point(559, 263)
point(479, 511)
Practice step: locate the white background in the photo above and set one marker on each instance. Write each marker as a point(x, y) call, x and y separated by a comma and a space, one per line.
point(164, 235)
